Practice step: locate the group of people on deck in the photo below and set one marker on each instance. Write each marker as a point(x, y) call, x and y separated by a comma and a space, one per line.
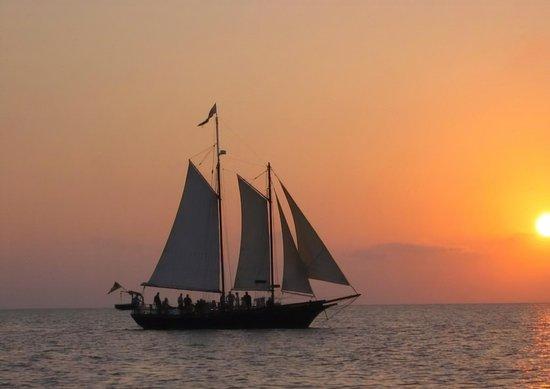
point(230, 302)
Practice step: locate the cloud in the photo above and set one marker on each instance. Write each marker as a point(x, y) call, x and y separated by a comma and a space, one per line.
point(407, 250)
point(500, 270)
point(78, 274)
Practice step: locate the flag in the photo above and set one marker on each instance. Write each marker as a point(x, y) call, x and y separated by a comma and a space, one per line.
point(116, 286)
point(213, 111)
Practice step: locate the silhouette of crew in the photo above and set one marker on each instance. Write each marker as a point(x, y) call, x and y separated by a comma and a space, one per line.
point(180, 302)
point(157, 301)
point(247, 300)
point(230, 300)
point(201, 305)
point(187, 302)
point(237, 300)
point(137, 299)
point(166, 304)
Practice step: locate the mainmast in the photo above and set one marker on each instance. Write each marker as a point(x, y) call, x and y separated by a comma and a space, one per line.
point(218, 175)
point(270, 213)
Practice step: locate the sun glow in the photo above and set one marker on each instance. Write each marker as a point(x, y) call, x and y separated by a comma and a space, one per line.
point(543, 224)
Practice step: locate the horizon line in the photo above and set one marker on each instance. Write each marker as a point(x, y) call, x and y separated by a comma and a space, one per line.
point(362, 304)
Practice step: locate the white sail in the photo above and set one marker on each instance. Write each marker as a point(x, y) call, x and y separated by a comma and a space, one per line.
point(318, 260)
point(191, 258)
point(295, 278)
point(253, 268)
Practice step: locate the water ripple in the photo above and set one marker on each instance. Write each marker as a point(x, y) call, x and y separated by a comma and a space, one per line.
point(369, 346)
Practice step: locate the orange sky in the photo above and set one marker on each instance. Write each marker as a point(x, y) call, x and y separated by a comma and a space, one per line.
point(415, 136)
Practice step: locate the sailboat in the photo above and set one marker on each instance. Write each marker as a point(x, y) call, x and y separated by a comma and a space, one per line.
point(193, 259)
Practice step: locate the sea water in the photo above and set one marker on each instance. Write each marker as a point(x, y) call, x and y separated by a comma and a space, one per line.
point(363, 346)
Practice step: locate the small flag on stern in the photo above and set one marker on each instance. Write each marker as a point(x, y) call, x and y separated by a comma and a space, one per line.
point(213, 110)
point(116, 286)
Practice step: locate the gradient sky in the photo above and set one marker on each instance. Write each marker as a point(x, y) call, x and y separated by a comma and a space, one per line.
point(415, 136)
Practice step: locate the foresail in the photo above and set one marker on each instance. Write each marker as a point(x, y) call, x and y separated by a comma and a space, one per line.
point(318, 260)
point(253, 268)
point(295, 278)
point(191, 258)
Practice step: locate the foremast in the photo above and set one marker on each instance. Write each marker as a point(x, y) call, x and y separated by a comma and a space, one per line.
point(270, 213)
point(219, 190)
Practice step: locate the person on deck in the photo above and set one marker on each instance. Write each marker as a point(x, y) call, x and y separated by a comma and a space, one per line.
point(165, 304)
point(187, 302)
point(247, 300)
point(157, 301)
point(180, 302)
point(200, 305)
point(237, 300)
point(230, 300)
point(222, 301)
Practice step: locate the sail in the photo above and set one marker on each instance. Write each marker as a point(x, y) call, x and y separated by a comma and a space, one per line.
point(191, 258)
point(295, 278)
point(253, 268)
point(319, 262)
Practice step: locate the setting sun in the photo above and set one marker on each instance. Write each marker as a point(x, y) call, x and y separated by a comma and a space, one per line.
point(543, 224)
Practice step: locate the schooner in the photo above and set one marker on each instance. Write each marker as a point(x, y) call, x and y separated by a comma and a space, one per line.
point(193, 258)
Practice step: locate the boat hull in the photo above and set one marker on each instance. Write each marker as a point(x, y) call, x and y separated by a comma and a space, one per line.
point(125, 307)
point(298, 315)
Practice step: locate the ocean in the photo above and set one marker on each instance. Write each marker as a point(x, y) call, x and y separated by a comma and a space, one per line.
point(481, 345)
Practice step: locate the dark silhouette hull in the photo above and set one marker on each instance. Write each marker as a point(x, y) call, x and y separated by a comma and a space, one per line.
point(299, 315)
point(125, 307)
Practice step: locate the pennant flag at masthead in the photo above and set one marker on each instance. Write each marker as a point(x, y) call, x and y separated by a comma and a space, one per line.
point(213, 111)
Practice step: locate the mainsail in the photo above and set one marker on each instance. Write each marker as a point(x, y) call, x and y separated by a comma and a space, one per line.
point(295, 278)
point(253, 268)
point(191, 258)
point(318, 260)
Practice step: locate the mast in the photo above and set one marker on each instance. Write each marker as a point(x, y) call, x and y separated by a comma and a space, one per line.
point(270, 213)
point(218, 175)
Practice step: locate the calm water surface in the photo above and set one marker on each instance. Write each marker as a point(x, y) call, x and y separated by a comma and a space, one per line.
point(432, 345)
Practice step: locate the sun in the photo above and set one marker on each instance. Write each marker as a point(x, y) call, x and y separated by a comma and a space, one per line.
point(543, 224)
